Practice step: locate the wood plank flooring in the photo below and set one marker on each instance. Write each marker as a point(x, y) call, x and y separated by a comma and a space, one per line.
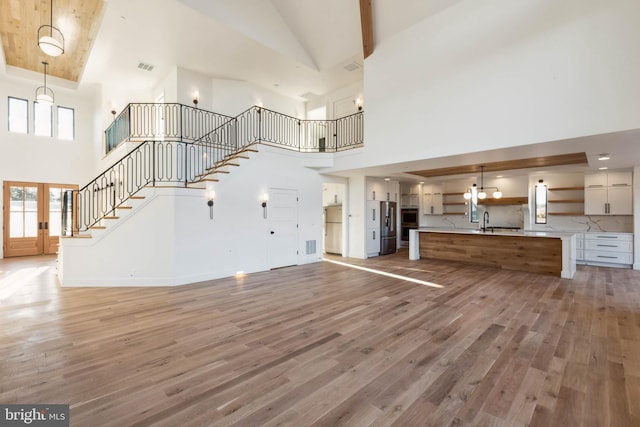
point(328, 345)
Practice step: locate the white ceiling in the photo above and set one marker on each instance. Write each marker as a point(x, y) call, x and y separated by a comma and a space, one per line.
point(290, 46)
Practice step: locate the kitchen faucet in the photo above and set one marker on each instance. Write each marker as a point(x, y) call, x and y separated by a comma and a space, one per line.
point(485, 220)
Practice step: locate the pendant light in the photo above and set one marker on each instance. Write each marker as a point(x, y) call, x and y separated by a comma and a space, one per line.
point(481, 193)
point(44, 94)
point(50, 39)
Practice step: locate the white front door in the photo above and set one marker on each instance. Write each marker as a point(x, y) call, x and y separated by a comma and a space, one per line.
point(283, 227)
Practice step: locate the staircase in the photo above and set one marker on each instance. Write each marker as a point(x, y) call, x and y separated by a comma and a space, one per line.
point(193, 150)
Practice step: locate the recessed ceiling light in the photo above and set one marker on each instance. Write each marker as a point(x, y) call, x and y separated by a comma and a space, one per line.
point(603, 168)
point(499, 176)
point(603, 157)
point(387, 179)
point(421, 182)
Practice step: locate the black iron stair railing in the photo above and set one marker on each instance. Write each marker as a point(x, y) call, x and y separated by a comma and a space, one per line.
point(176, 157)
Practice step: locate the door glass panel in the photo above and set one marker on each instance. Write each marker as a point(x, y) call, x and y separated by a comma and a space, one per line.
point(23, 211)
point(55, 211)
point(16, 220)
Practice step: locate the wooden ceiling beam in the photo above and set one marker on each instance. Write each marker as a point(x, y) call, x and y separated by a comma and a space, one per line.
point(366, 22)
point(532, 162)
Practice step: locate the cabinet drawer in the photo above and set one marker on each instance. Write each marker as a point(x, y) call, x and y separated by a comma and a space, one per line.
point(626, 237)
point(609, 245)
point(612, 257)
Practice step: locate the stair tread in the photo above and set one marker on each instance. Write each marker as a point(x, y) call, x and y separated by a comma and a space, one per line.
point(78, 236)
point(137, 197)
point(124, 207)
point(111, 217)
point(97, 227)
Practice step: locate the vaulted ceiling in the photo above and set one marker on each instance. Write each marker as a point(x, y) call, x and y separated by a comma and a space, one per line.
point(296, 47)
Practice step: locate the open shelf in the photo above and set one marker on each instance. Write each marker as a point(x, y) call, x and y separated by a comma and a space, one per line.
point(566, 213)
point(566, 188)
point(454, 203)
point(505, 201)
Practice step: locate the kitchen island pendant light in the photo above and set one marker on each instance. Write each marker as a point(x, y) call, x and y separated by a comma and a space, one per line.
point(44, 94)
point(482, 194)
point(50, 38)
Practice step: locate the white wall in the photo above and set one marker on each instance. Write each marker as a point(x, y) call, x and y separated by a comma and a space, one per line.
point(347, 94)
point(232, 97)
point(47, 159)
point(175, 240)
point(501, 73)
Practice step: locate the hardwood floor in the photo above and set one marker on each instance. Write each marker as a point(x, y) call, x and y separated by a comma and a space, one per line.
point(328, 345)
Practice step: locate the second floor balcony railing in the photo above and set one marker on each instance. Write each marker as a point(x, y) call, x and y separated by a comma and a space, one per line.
point(177, 122)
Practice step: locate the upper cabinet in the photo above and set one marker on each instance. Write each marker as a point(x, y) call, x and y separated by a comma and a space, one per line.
point(381, 190)
point(608, 193)
point(410, 196)
point(432, 199)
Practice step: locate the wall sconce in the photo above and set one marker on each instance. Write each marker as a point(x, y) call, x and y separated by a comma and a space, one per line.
point(265, 199)
point(358, 103)
point(195, 99)
point(211, 195)
point(113, 113)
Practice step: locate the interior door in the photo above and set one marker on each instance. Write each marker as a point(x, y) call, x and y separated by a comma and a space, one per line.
point(283, 227)
point(32, 217)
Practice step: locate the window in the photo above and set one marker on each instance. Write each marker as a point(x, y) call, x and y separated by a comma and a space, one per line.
point(42, 120)
point(473, 205)
point(18, 115)
point(66, 123)
point(541, 203)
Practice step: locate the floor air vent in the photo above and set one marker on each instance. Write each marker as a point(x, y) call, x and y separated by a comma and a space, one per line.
point(311, 247)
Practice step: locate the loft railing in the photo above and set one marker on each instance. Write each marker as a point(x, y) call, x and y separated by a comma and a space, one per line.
point(176, 157)
point(159, 121)
point(259, 124)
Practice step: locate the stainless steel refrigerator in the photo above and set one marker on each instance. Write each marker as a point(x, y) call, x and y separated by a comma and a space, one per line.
point(333, 229)
point(388, 226)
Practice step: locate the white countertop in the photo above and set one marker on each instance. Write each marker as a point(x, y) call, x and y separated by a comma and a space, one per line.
point(554, 234)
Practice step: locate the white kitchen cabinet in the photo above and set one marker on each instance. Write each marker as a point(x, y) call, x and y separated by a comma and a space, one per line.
point(608, 249)
point(432, 200)
point(372, 214)
point(376, 189)
point(580, 248)
point(373, 241)
point(410, 196)
point(608, 194)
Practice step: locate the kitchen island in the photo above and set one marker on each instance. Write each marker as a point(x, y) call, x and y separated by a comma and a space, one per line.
point(530, 251)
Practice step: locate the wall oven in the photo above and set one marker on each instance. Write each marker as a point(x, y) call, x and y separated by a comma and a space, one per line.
point(408, 221)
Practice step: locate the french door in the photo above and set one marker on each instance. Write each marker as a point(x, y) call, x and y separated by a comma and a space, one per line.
point(32, 217)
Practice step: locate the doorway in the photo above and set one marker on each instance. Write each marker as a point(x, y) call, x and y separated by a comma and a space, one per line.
point(32, 217)
point(283, 227)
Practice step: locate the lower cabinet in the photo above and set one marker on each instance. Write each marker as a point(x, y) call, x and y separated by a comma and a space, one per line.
point(605, 249)
point(373, 241)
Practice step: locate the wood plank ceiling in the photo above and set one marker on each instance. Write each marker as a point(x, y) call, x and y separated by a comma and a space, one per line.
point(77, 19)
point(532, 162)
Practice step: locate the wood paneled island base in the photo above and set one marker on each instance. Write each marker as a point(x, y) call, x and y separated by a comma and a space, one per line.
point(522, 253)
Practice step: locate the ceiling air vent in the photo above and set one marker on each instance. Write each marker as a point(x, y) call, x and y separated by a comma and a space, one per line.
point(308, 96)
point(145, 67)
point(352, 66)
